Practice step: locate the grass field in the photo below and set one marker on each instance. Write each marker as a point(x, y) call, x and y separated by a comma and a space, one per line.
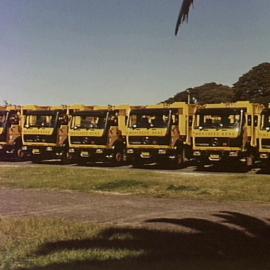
point(44, 244)
point(23, 244)
point(55, 244)
point(237, 187)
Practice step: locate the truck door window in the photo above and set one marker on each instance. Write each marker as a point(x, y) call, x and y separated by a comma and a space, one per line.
point(266, 121)
point(2, 119)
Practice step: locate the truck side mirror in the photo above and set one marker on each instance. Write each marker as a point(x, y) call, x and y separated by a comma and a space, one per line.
point(255, 120)
point(190, 120)
point(249, 120)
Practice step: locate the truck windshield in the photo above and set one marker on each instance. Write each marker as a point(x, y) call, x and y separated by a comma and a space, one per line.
point(266, 120)
point(149, 119)
point(3, 119)
point(218, 119)
point(42, 119)
point(89, 120)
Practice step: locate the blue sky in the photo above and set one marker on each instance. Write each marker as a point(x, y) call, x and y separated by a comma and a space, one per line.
point(124, 51)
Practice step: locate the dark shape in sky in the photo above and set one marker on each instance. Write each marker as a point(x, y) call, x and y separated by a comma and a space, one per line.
point(183, 14)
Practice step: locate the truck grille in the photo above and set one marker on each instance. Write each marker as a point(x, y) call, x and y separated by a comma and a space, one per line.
point(218, 142)
point(143, 140)
point(40, 138)
point(88, 140)
point(266, 143)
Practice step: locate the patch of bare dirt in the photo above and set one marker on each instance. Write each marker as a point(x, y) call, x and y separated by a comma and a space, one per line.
point(121, 210)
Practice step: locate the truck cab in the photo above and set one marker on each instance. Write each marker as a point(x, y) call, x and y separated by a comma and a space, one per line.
point(159, 134)
point(97, 133)
point(263, 134)
point(10, 132)
point(225, 131)
point(44, 132)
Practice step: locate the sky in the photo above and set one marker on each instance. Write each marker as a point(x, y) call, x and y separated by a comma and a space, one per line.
point(124, 51)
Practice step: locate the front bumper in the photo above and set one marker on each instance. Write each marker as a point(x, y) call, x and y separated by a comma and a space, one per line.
point(264, 155)
point(91, 154)
point(149, 155)
point(43, 152)
point(216, 156)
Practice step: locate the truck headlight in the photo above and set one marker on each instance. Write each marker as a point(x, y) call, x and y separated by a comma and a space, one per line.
point(71, 150)
point(24, 147)
point(99, 151)
point(196, 153)
point(263, 155)
point(162, 151)
point(233, 154)
point(130, 151)
point(49, 148)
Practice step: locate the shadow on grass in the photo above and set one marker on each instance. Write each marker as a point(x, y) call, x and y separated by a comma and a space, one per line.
point(224, 167)
point(237, 241)
point(107, 164)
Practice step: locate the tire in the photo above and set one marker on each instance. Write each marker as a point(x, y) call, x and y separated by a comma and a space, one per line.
point(82, 162)
point(19, 155)
point(66, 158)
point(36, 159)
point(179, 161)
point(118, 158)
point(250, 160)
point(137, 163)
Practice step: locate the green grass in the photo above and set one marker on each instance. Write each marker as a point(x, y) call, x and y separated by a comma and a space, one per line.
point(46, 244)
point(236, 187)
point(23, 244)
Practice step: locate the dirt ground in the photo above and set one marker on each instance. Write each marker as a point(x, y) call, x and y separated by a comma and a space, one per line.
point(124, 210)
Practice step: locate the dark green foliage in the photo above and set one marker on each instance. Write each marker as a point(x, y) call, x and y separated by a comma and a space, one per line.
point(207, 93)
point(253, 86)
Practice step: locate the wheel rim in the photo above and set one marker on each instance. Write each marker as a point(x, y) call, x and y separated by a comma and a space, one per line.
point(20, 154)
point(118, 157)
point(179, 159)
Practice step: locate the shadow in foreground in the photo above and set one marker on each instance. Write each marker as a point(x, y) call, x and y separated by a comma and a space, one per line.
point(237, 241)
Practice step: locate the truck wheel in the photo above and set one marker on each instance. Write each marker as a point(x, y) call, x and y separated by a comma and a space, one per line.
point(250, 161)
point(36, 160)
point(82, 162)
point(179, 160)
point(20, 155)
point(118, 158)
point(66, 158)
point(137, 163)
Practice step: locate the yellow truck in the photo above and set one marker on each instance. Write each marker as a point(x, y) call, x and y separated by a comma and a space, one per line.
point(159, 133)
point(263, 134)
point(45, 132)
point(10, 132)
point(97, 133)
point(226, 131)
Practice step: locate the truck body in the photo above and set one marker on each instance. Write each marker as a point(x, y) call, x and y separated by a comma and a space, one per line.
point(225, 131)
point(10, 132)
point(159, 133)
point(263, 134)
point(97, 133)
point(44, 132)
